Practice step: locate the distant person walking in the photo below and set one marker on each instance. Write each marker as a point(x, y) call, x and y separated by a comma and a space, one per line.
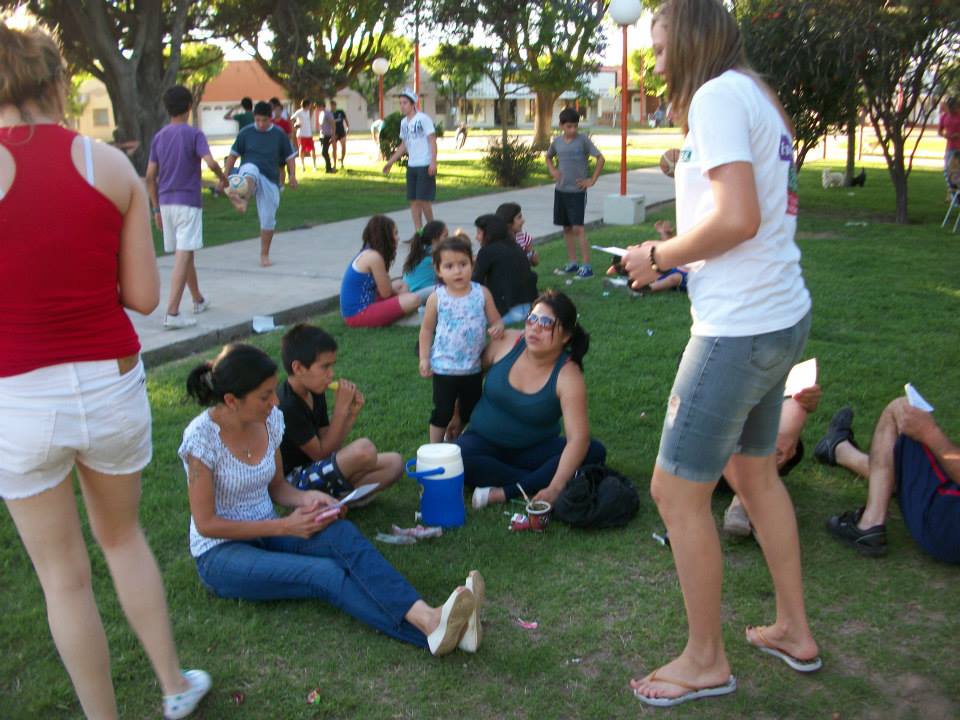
point(303, 124)
point(340, 132)
point(327, 126)
point(261, 148)
point(244, 117)
point(418, 139)
point(173, 182)
point(76, 255)
point(949, 128)
point(281, 121)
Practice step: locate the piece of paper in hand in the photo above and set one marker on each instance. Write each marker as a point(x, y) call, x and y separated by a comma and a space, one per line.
point(610, 249)
point(802, 375)
point(263, 323)
point(358, 493)
point(916, 399)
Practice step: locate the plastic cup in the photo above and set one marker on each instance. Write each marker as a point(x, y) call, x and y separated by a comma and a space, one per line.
point(539, 513)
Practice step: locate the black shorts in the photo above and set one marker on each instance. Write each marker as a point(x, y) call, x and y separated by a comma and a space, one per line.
point(568, 208)
point(421, 185)
point(447, 389)
point(340, 134)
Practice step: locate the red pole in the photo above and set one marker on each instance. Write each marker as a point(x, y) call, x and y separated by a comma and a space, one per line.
point(381, 96)
point(624, 101)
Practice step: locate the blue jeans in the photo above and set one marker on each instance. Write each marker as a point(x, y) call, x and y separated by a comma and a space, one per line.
point(338, 565)
point(486, 464)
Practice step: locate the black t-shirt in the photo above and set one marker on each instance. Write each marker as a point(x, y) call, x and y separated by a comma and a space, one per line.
point(504, 268)
point(338, 117)
point(301, 424)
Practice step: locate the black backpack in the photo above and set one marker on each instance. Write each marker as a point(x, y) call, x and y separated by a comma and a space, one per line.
point(597, 497)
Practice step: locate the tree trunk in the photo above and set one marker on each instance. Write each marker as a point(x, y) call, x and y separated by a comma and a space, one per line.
point(502, 103)
point(851, 147)
point(544, 124)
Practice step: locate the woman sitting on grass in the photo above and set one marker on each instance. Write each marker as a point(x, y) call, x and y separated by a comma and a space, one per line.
point(535, 378)
point(244, 550)
point(367, 297)
point(503, 267)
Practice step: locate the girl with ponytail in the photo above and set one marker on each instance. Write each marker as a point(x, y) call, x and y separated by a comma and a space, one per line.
point(244, 550)
point(513, 444)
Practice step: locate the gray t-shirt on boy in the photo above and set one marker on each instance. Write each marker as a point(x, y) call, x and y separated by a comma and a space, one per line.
point(572, 160)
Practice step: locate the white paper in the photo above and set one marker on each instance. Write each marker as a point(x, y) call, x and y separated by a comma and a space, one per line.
point(802, 375)
point(916, 399)
point(263, 323)
point(358, 493)
point(611, 249)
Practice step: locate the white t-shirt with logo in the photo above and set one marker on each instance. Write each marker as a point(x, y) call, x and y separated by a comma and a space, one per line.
point(756, 287)
point(414, 133)
point(305, 129)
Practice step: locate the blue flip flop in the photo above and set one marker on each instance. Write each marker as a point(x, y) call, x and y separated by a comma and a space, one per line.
point(693, 692)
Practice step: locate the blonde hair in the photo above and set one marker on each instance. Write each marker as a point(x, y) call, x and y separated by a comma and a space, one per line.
point(703, 42)
point(31, 67)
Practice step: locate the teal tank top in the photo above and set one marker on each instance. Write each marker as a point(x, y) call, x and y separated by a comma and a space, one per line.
point(510, 418)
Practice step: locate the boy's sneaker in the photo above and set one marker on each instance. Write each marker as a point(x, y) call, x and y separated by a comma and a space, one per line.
point(871, 542)
point(199, 307)
point(177, 322)
point(182, 704)
point(584, 272)
point(736, 522)
point(569, 268)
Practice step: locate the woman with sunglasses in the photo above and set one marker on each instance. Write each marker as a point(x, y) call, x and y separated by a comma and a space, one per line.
point(736, 219)
point(534, 378)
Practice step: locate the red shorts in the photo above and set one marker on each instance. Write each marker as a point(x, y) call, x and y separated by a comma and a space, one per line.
point(306, 144)
point(377, 314)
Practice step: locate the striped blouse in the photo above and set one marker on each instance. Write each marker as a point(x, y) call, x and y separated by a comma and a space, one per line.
point(240, 489)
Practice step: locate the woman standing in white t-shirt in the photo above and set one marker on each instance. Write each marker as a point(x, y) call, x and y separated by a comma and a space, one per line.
point(736, 219)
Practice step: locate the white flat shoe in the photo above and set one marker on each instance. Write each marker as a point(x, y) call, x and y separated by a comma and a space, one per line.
point(182, 704)
point(481, 498)
point(470, 641)
point(454, 616)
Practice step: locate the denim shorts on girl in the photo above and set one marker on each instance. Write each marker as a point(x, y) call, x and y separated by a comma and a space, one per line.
point(95, 413)
point(726, 399)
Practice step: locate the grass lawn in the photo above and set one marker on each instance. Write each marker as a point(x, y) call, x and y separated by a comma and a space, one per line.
point(886, 302)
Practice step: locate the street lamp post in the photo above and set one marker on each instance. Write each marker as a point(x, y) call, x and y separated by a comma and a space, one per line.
point(380, 67)
point(624, 209)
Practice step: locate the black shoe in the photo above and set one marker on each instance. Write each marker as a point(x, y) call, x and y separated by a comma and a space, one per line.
point(871, 542)
point(838, 430)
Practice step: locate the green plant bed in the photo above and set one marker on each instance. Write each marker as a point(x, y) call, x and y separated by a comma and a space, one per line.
point(886, 302)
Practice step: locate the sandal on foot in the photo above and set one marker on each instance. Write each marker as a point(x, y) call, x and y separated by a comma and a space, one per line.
point(470, 641)
point(839, 429)
point(454, 616)
point(481, 498)
point(693, 692)
point(764, 645)
point(182, 704)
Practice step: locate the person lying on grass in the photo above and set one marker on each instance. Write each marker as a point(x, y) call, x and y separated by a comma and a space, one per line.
point(245, 550)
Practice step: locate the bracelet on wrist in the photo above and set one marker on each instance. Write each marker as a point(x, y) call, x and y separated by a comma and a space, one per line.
point(653, 260)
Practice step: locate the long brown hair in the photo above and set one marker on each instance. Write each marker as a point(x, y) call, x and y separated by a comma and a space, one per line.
point(31, 68)
point(379, 235)
point(703, 42)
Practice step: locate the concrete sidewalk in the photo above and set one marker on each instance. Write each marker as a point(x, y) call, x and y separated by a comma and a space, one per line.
point(308, 264)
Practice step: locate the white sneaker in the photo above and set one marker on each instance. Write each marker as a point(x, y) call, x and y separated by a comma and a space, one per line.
point(182, 704)
point(735, 520)
point(199, 307)
point(481, 498)
point(177, 322)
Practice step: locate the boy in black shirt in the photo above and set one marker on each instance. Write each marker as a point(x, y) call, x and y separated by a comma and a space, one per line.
point(313, 453)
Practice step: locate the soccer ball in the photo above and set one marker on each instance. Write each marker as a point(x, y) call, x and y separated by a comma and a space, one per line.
point(668, 161)
point(238, 184)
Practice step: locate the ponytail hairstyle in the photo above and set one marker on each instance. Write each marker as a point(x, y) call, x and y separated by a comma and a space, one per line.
point(421, 244)
point(378, 235)
point(703, 42)
point(31, 69)
point(566, 313)
point(237, 370)
point(494, 229)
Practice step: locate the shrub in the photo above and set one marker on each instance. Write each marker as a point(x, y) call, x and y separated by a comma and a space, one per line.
point(439, 126)
point(390, 137)
point(509, 165)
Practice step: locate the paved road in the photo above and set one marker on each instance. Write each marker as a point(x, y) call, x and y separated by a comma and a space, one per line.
point(309, 263)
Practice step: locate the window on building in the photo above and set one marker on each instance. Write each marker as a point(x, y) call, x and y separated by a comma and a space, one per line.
point(442, 106)
point(101, 117)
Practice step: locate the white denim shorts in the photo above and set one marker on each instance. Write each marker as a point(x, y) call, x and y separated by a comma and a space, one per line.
point(267, 195)
point(182, 227)
point(86, 412)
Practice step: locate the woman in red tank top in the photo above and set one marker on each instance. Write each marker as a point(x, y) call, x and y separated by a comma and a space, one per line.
point(77, 251)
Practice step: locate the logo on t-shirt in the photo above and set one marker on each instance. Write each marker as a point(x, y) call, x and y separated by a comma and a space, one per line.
point(686, 154)
point(786, 148)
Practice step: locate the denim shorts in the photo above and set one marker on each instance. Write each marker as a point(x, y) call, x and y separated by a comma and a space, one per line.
point(726, 399)
point(421, 185)
point(95, 413)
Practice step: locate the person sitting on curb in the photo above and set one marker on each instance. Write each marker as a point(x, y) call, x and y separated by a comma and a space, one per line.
point(910, 456)
point(313, 451)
